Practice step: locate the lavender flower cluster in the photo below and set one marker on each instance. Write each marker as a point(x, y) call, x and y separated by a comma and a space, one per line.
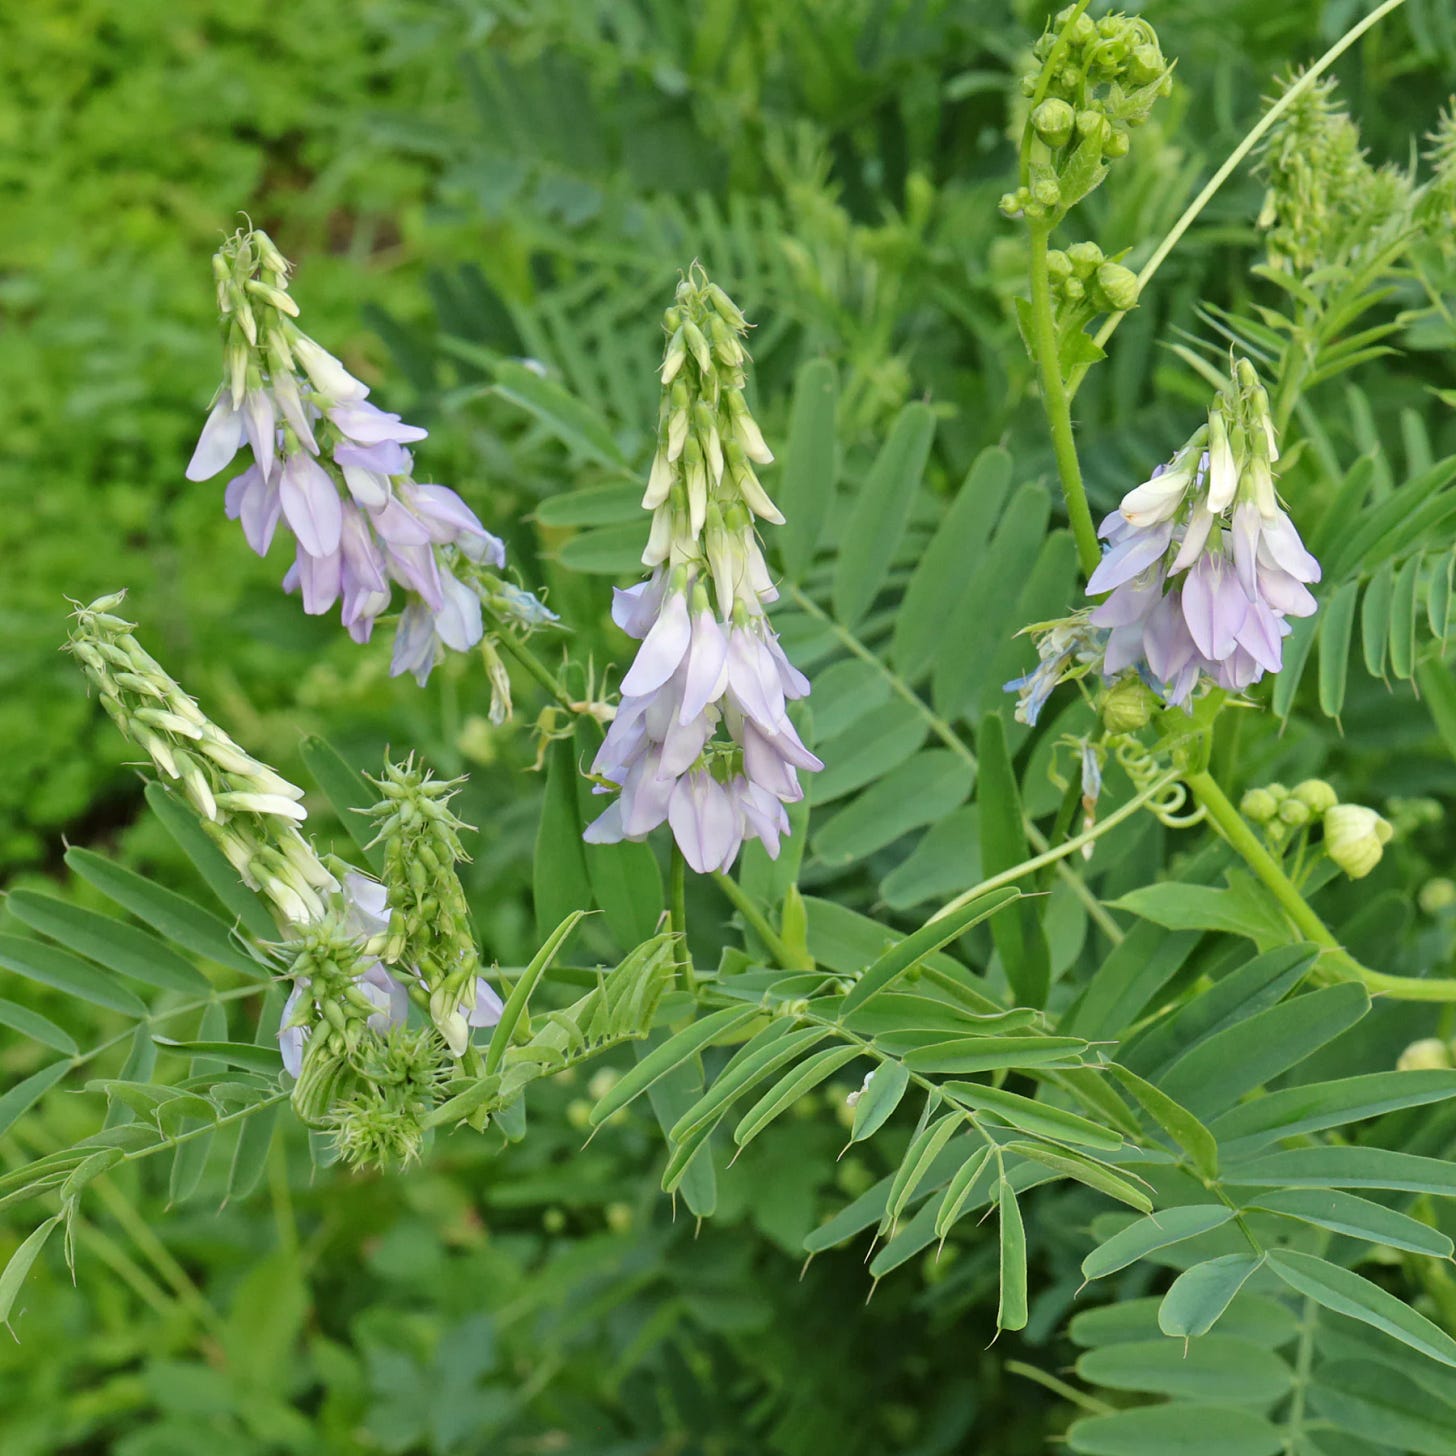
point(334, 468)
point(708, 656)
point(1203, 567)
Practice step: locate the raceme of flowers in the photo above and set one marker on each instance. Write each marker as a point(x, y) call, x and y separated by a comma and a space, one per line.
point(1203, 567)
point(334, 469)
point(709, 657)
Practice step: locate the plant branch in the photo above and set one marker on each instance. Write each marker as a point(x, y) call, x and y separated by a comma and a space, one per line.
point(758, 922)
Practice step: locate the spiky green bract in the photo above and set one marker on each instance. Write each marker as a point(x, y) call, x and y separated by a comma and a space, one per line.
point(401, 1077)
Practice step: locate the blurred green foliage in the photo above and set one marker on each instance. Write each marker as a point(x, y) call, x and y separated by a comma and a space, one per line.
point(458, 182)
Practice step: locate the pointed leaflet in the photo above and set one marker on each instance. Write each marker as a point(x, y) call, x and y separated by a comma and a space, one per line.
point(171, 915)
point(920, 791)
point(1217, 1367)
point(1064, 1163)
point(774, 1047)
point(1175, 1120)
point(559, 880)
point(947, 568)
point(1351, 1294)
point(576, 425)
point(1020, 940)
point(523, 990)
point(36, 1027)
point(1336, 624)
point(879, 513)
point(1039, 1118)
point(1152, 1232)
point(347, 792)
point(924, 1148)
point(669, 1095)
point(1178, 1426)
point(806, 485)
point(1345, 1167)
point(1011, 1308)
point(194, 1137)
point(1403, 618)
point(887, 1085)
point(1359, 1218)
point(1199, 1295)
point(255, 1137)
point(789, 1089)
point(24, 1095)
point(62, 971)
point(108, 941)
point(1375, 619)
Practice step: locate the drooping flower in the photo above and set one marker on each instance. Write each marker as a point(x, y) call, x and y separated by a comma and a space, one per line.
point(702, 738)
point(333, 467)
point(1202, 573)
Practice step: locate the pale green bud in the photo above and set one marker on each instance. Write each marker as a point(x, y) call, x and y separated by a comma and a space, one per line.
point(1116, 144)
point(1316, 795)
point(1053, 121)
point(1128, 706)
point(1085, 258)
point(1294, 812)
point(1355, 838)
point(1118, 286)
point(1428, 1054)
point(1437, 895)
point(1259, 805)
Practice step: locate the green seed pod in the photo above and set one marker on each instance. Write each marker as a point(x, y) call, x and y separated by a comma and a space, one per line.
point(1053, 122)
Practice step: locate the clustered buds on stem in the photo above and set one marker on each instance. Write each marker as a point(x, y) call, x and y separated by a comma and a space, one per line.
point(1094, 81)
point(1354, 836)
point(335, 469)
point(356, 951)
point(708, 655)
point(428, 920)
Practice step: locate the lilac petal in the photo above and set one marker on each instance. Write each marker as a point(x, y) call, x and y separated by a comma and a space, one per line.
point(311, 504)
point(458, 622)
point(662, 649)
point(635, 608)
point(259, 510)
point(221, 439)
point(487, 1007)
point(753, 678)
point(286, 396)
point(1129, 603)
point(445, 515)
point(702, 820)
point(414, 643)
point(794, 683)
point(606, 828)
point(645, 798)
point(707, 661)
point(415, 567)
point(1284, 594)
point(388, 457)
point(368, 903)
point(1214, 608)
point(387, 994)
point(369, 425)
point(325, 372)
point(787, 743)
point(292, 1038)
point(1126, 560)
point(1260, 637)
point(399, 526)
point(763, 814)
point(682, 744)
point(1286, 550)
point(363, 560)
point(1167, 643)
point(320, 579)
point(765, 766)
point(261, 424)
point(1195, 537)
point(1246, 531)
point(1124, 649)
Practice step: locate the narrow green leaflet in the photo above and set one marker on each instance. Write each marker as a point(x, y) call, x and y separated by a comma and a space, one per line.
point(922, 1153)
point(1206, 907)
point(1345, 1167)
point(62, 971)
point(757, 1060)
point(1351, 1294)
point(670, 1095)
point(1375, 619)
point(108, 941)
point(1185, 1428)
point(246, 1055)
point(1011, 1309)
point(1064, 1163)
point(880, 512)
point(1198, 1296)
point(993, 1053)
point(195, 1137)
point(1337, 622)
point(966, 1184)
point(1216, 1368)
point(347, 791)
point(1359, 1218)
point(915, 947)
point(1039, 1118)
point(577, 426)
point(20, 1265)
point(25, 1094)
point(674, 1051)
point(879, 1099)
point(932, 783)
point(806, 484)
point(523, 990)
point(1403, 618)
point(1134, 972)
point(1020, 940)
point(1154, 1231)
point(1175, 1120)
point(171, 915)
point(36, 1027)
point(559, 879)
point(798, 1083)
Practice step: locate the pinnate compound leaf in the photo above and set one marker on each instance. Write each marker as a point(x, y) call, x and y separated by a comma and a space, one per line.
point(1181, 1125)
point(1198, 1296)
point(1347, 1293)
point(1154, 1231)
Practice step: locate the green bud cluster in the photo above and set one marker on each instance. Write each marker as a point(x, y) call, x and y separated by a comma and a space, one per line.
point(1127, 704)
point(248, 810)
point(703, 490)
point(1094, 82)
point(429, 924)
point(1324, 202)
point(379, 1122)
point(1084, 283)
point(1354, 836)
point(1243, 444)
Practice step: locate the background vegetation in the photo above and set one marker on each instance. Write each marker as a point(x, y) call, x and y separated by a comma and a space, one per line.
point(468, 182)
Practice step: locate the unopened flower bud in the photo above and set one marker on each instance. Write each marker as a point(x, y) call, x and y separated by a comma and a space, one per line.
point(1053, 122)
point(1437, 895)
point(1085, 258)
point(1294, 812)
point(1090, 123)
point(1118, 286)
point(1046, 192)
point(1259, 805)
point(1128, 705)
point(1428, 1054)
point(1355, 838)
point(1116, 144)
point(1059, 266)
point(1316, 795)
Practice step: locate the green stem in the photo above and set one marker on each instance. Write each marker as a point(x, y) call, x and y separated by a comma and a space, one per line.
point(1337, 960)
point(1057, 403)
point(1066, 847)
point(1255, 135)
point(677, 907)
point(538, 669)
point(758, 922)
point(948, 736)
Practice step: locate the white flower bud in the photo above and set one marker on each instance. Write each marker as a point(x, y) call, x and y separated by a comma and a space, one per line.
point(1355, 838)
point(325, 372)
point(1223, 470)
point(1428, 1054)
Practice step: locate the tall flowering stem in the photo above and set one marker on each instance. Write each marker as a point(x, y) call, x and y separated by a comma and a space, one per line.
point(334, 469)
point(702, 738)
